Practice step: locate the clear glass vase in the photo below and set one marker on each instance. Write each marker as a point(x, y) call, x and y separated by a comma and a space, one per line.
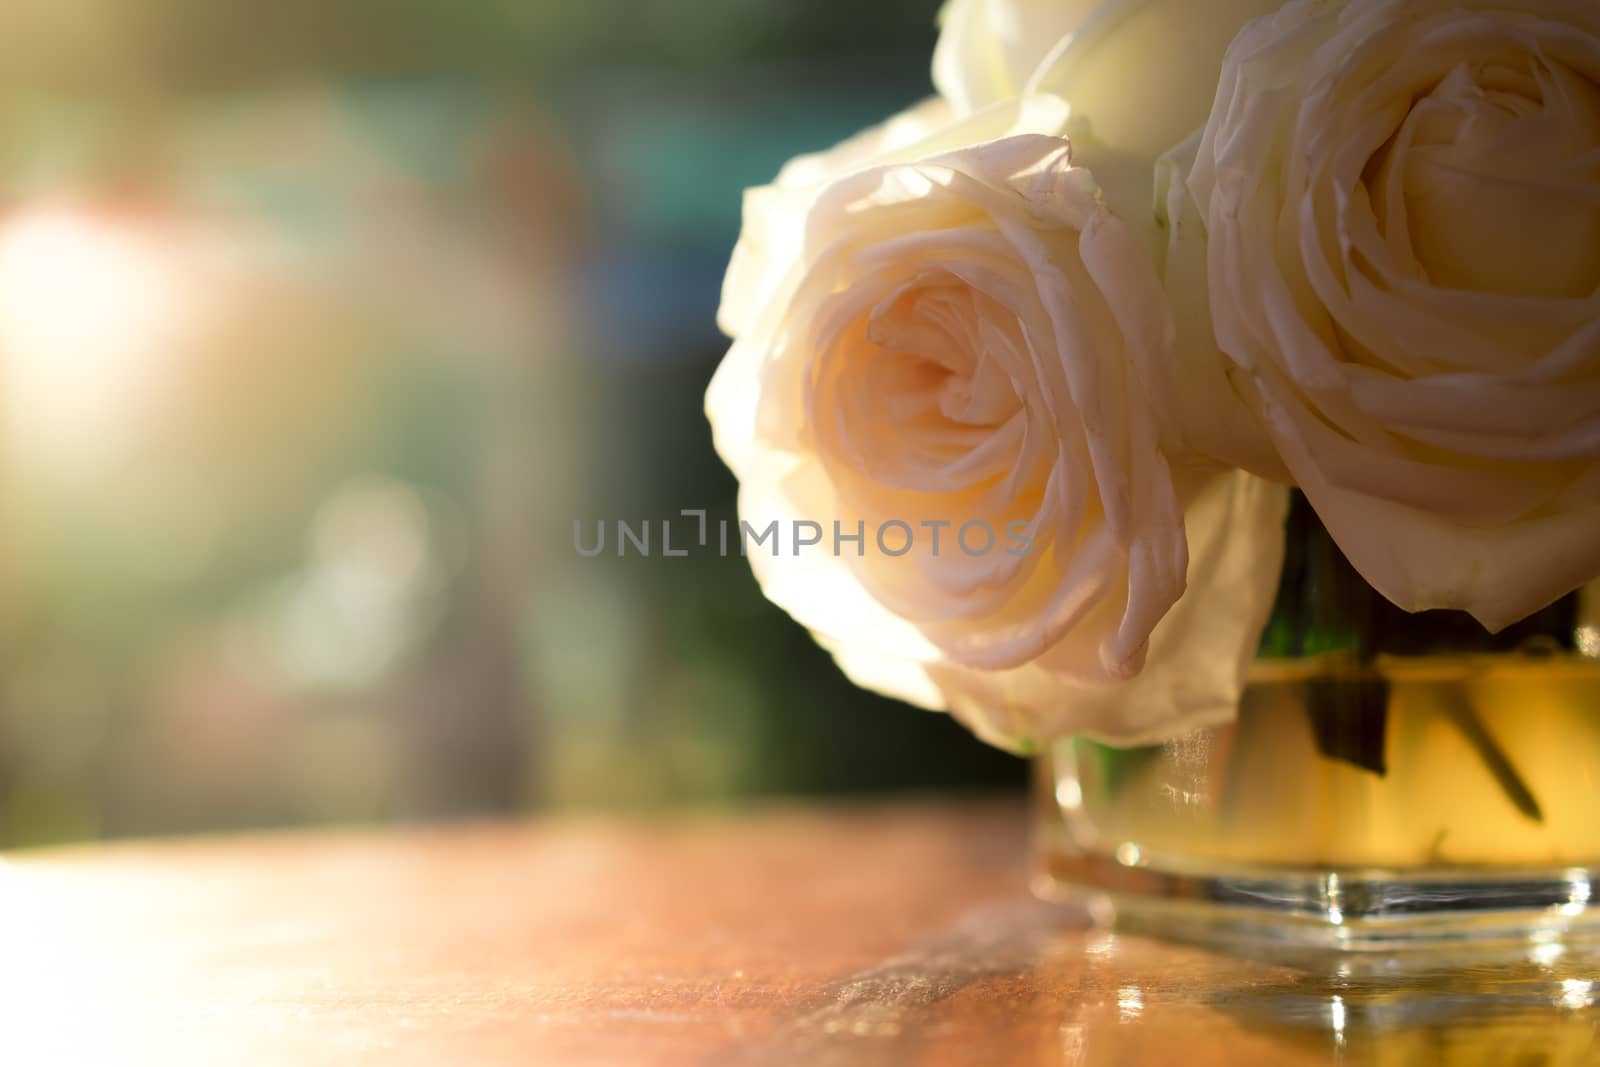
point(1389, 778)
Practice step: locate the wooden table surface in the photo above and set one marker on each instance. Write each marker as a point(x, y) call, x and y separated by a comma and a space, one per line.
point(895, 935)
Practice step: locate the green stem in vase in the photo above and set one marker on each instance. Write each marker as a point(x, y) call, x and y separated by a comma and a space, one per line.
point(1459, 711)
point(1325, 608)
point(1329, 610)
point(1350, 721)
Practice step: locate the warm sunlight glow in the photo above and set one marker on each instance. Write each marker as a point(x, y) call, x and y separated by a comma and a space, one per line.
point(86, 303)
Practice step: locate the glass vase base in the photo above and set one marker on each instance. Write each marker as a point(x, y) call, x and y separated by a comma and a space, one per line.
point(1345, 910)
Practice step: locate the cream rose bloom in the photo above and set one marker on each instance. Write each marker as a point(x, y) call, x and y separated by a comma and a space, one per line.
point(989, 50)
point(1397, 206)
point(940, 325)
point(1138, 75)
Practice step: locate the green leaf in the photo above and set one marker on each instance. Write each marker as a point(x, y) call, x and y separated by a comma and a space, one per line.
point(1350, 720)
point(1462, 715)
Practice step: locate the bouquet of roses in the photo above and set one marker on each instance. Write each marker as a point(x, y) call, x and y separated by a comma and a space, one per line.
point(1038, 360)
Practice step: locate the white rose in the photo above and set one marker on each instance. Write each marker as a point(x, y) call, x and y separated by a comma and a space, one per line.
point(961, 335)
point(1399, 208)
point(1138, 75)
point(988, 50)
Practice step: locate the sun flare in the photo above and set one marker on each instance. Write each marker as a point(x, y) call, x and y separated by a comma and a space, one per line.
point(88, 305)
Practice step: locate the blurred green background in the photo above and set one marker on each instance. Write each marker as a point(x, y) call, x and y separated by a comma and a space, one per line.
point(320, 324)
